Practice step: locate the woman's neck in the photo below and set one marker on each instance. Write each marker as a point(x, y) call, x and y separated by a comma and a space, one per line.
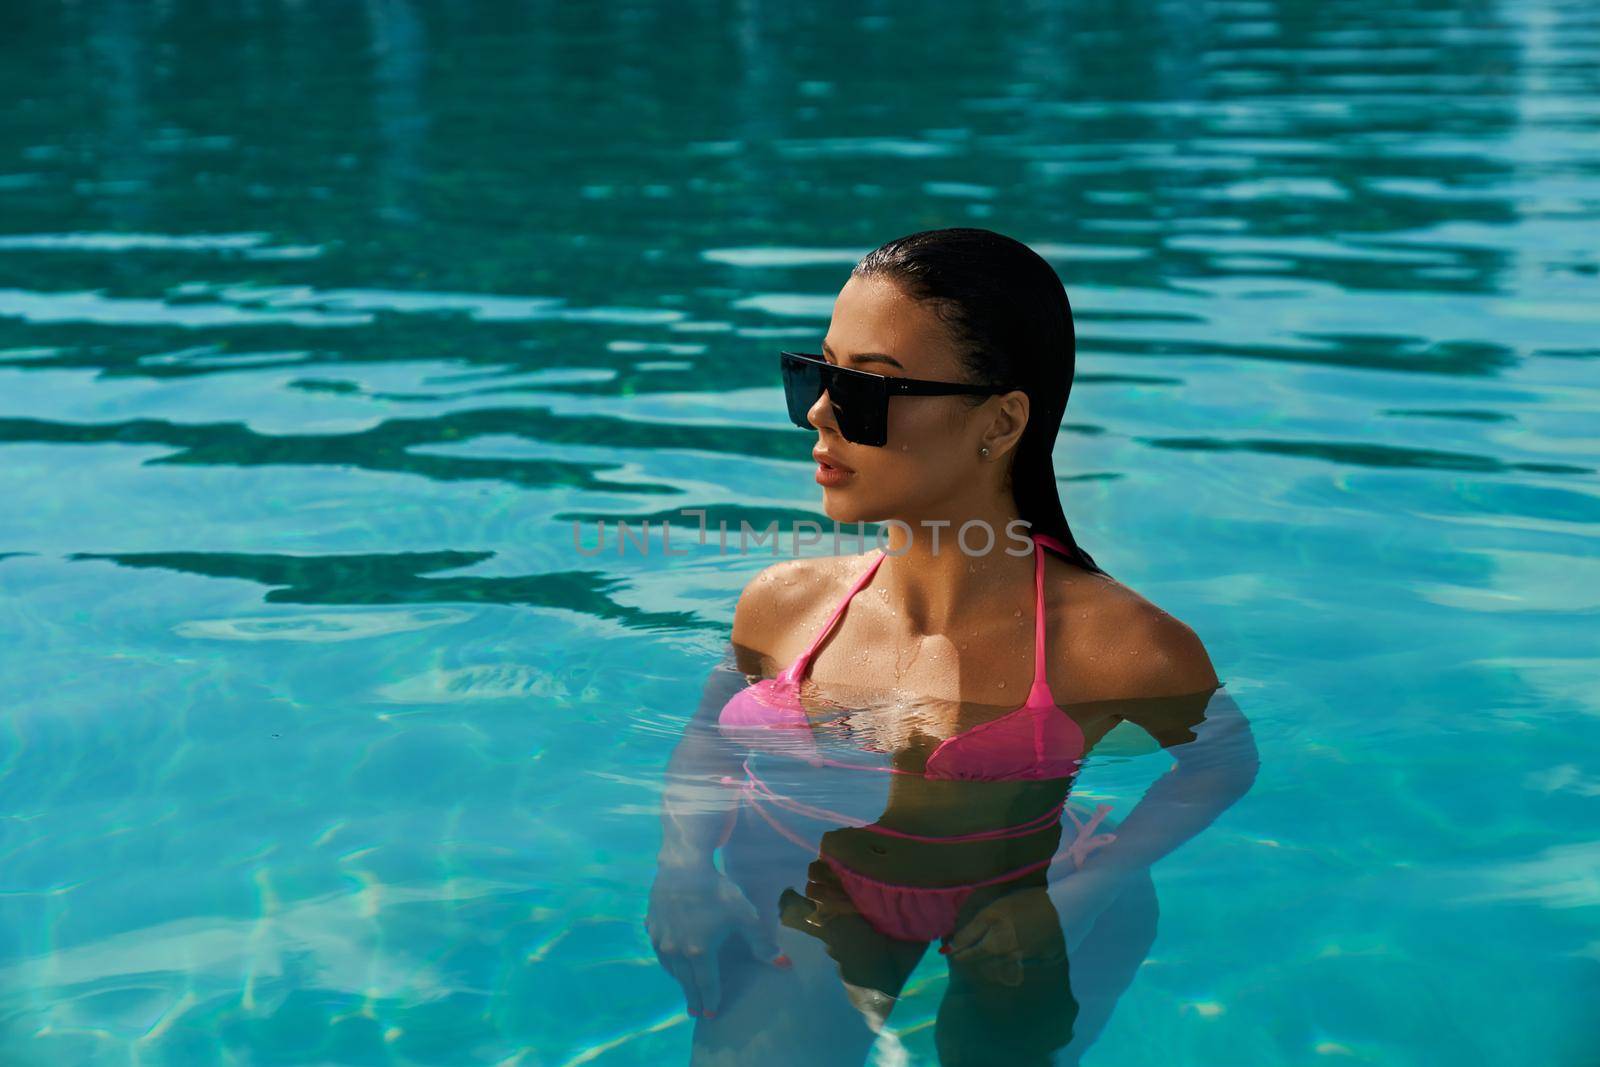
point(938, 587)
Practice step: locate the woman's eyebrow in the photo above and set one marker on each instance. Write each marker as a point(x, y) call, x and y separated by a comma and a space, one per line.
point(866, 357)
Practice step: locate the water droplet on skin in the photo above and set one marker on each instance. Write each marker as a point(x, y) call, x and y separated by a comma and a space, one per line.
point(1017, 612)
point(1002, 685)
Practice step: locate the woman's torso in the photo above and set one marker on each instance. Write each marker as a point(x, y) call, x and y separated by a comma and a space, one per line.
point(1079, 613)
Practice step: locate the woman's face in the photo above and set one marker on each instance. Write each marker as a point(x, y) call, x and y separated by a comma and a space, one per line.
point(930, 460)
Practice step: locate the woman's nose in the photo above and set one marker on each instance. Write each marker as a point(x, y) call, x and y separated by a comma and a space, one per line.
point(823, 408)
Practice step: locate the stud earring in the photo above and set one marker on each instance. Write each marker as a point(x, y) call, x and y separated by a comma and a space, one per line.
point(984, 452)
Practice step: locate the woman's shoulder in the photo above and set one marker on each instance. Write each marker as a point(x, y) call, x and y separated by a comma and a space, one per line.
point(1119, 643)
point(778, 602)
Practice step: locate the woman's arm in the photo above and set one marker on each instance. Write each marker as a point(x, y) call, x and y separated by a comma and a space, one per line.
point(695, 908)
point(697, 810)
point(1215, 764)
point(1201, 725)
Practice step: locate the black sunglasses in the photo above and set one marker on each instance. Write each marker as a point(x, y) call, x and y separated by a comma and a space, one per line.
point(860, 400)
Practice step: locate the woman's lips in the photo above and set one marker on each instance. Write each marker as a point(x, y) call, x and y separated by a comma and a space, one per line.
point(830, 471)
point(827, 475)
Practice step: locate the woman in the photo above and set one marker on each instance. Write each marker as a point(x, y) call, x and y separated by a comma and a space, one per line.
point(974, 334)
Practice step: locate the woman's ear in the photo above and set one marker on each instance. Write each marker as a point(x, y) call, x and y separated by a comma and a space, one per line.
point(1007, 423)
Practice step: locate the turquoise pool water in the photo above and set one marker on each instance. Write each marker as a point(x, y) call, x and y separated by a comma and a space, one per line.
point(320, 325)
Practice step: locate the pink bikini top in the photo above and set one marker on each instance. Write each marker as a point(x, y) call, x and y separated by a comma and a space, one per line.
point(1037, 740)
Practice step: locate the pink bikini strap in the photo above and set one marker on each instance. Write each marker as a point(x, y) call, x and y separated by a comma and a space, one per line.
point(797, 669)
point(1040, 693)
point(1053, 542)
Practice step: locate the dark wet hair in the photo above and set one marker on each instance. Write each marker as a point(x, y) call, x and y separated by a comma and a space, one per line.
point(1008, 312)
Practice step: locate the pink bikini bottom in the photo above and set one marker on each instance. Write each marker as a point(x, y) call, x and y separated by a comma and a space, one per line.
point(928, 913)
point(912, 913)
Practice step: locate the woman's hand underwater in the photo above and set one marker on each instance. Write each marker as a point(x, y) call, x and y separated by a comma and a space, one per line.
point(693, 910)
point(1032, 925)
point(1018, 928)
